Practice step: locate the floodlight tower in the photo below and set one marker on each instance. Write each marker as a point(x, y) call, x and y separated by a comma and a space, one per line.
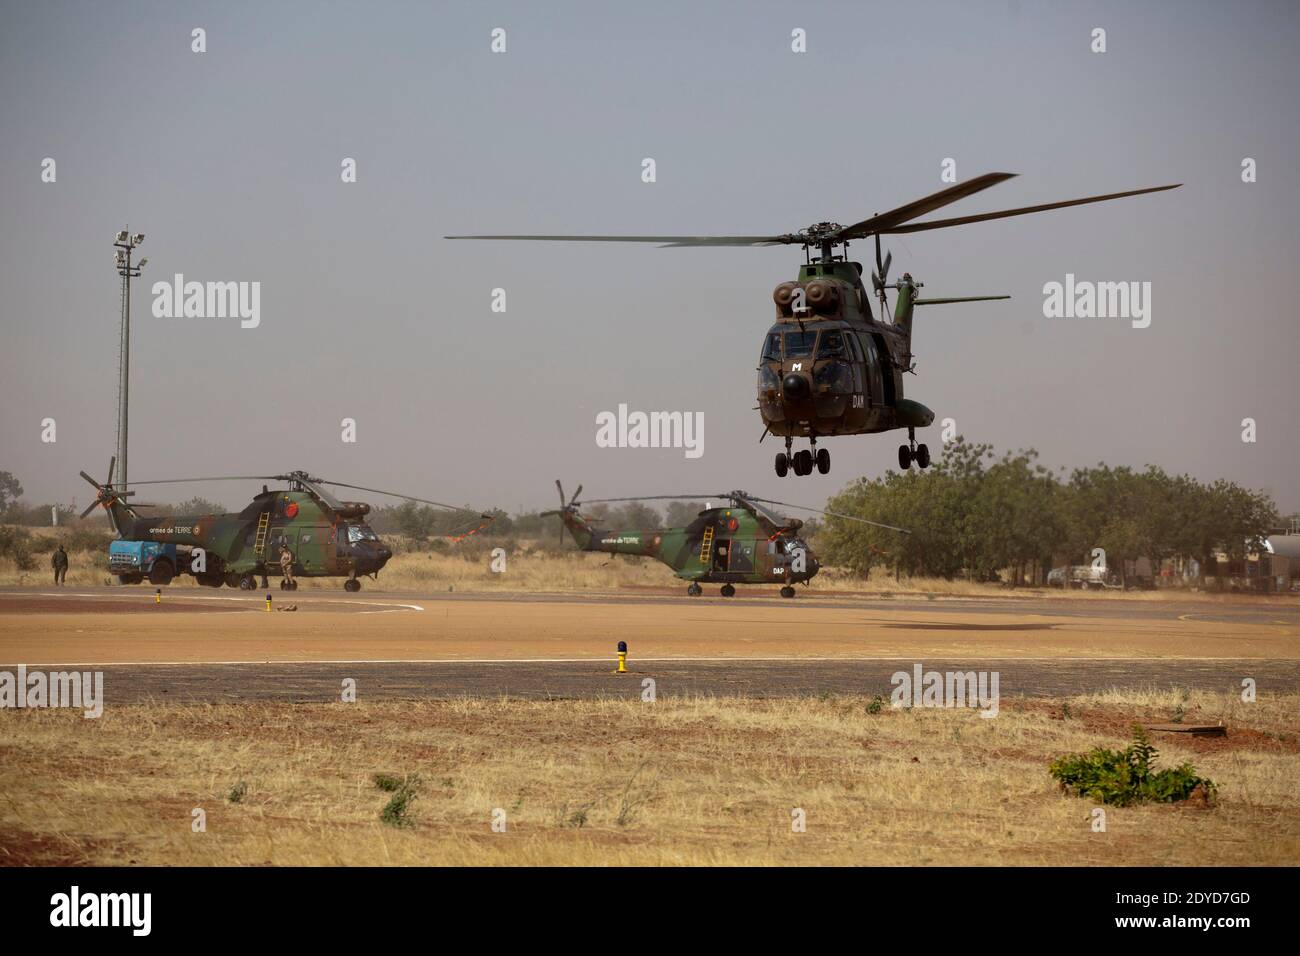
point(125, 244)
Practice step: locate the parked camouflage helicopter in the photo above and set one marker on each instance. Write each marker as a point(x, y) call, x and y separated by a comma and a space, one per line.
point(326, 536)
point(829, 366)
point(742, 543)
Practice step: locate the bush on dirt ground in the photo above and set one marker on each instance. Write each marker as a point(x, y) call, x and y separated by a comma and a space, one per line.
point(1124, 777)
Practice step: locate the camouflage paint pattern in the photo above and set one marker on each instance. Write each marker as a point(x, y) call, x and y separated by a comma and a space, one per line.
point(746, 547)
point(320, 537)
point(859, 391)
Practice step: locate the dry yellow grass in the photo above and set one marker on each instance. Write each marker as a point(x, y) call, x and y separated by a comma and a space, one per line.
point(532, 570)
point(698, 781)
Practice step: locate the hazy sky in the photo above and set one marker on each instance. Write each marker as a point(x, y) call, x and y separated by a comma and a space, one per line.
point(229, 162)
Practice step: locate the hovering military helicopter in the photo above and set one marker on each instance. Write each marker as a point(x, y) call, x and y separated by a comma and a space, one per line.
point(742, 543)
point(327, 537)
point(829, 366)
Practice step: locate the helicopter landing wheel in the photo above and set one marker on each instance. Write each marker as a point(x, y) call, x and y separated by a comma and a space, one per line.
point(782, 464)
point(787, 592)
point(728, 591)
point(247, 583)
point(293, 585)
point(803, 462)
point(923, 456)
point(352, 585)
point(694, 590)
point(823, 461)
point(904, 457)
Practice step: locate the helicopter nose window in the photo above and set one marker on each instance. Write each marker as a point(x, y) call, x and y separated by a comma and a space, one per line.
point(799, 344)
point(772, 347)
point(832, 346)
point(359, 532)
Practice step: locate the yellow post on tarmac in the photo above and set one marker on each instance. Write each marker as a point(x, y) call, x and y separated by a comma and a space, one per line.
point(157, 596)
point(268, 600)
point(622, 657)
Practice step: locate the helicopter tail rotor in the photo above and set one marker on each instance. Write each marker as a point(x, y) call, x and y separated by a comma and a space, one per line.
point(106, 496)
point(565, 508)
point(880, 277)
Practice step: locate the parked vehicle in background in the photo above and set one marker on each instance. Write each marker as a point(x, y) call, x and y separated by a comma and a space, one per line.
point(133, 561)
point(1082, 576)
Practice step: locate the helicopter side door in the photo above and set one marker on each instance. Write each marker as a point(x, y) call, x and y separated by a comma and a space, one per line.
point(742, 556)
point(879, 388)
point(314, 549)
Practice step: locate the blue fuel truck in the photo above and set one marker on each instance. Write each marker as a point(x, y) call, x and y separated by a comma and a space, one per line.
point(134, 561)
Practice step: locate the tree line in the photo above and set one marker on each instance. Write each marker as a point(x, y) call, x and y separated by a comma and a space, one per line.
point(975, 514)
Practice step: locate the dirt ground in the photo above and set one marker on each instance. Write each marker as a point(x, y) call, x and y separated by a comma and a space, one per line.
point(606, 782)
point(398, 627)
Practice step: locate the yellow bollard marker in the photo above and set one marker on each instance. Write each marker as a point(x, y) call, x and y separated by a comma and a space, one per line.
point(622, 657)
point(157, 596)
point(268, 600)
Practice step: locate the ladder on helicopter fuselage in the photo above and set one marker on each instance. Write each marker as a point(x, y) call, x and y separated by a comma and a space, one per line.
point(259, 543)
point(706, 546)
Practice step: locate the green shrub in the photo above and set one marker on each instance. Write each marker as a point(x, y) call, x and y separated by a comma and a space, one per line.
point(1124, 777)
point(404, 791)
point(16, 543)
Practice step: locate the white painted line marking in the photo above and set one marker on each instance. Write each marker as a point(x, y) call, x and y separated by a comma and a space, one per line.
point(656, 660)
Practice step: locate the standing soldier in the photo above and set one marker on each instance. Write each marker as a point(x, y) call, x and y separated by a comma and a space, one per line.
point(286, 566)
point(60, 564)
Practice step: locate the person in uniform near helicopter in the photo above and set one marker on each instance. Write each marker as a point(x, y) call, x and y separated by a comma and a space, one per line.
point(59, 562)
point(286, 565)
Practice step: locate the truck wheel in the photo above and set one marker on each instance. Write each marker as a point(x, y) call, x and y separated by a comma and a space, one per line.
point(162, 572)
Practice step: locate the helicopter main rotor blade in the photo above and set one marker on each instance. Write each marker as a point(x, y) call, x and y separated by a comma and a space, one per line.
point(91, 480)
point(665, 241)
point(1023, 211)
point(960, 298)
point(182, 481)
point(90, 507)
point(883, 222)
point(395, 494)
point(601, 501)
point(833, 514)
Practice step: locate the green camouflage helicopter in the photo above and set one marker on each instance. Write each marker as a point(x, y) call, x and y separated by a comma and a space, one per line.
point(326, 537)
point(829, 366)
point(742, 543)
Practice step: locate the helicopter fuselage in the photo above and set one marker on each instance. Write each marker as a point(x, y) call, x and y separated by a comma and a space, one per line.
point(722, 545)
point(828, 366)
point(247, 544)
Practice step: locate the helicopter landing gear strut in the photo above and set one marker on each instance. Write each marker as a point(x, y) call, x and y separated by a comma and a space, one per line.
point(912, 452)
point(803, 462)
point(352, 584)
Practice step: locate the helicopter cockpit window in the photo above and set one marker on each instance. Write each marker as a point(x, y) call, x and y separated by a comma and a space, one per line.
point(359, 532)
point(799, 344)
point(772, 347)
point(832, 346)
